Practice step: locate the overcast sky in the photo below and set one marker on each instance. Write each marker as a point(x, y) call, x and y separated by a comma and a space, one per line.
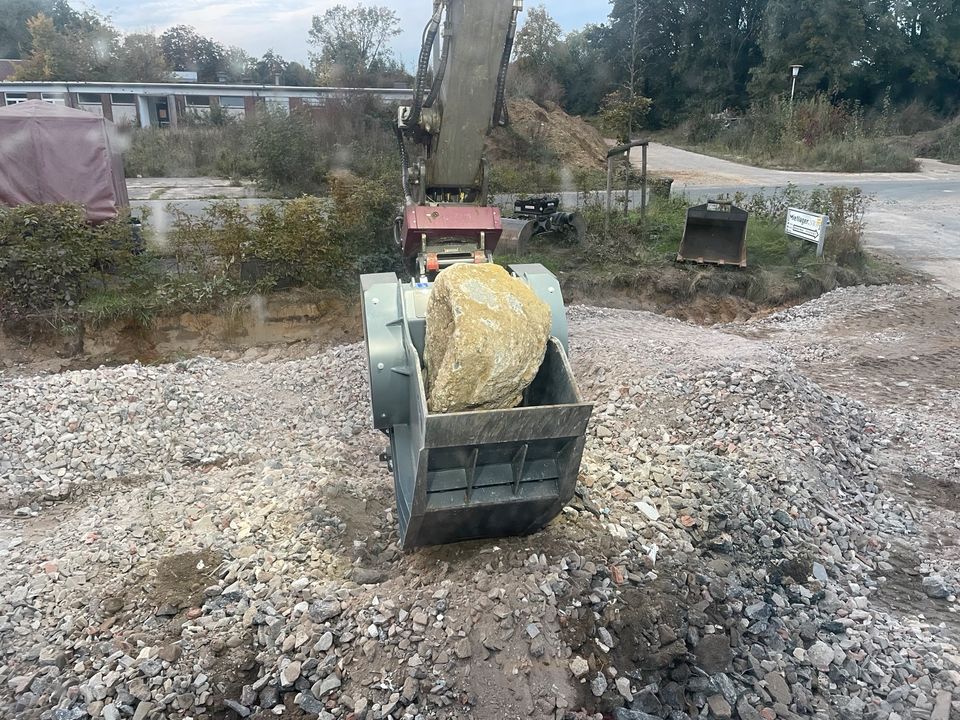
point(259, 25)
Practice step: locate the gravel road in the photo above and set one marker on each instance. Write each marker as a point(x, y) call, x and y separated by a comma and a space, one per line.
point(766, 528)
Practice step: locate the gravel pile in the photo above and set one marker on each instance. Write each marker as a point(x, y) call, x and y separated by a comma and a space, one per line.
point(217, 539)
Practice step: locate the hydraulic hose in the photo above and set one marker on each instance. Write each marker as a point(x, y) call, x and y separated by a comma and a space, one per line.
point(423, 64)
point(404, 166)
point(438, 78)
point(499, 109)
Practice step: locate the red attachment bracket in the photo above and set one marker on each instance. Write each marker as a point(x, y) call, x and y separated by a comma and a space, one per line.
point(450, 222)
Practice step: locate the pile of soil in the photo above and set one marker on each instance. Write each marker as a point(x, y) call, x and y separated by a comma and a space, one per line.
point(573, 141)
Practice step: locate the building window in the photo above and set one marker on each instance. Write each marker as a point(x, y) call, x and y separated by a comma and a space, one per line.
point(16, 98)
point(231, 101)
point(88, 98)
point(198, 101)
point(122, 99)
point(53, 99)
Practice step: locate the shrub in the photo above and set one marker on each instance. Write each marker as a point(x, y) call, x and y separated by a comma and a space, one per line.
point(862, 155)
point(324, 242)
point(51, 258)
point(176, 152)
point(812, 133)
point(288, 153)
point(702, 128)
point(945, 144)
point(845, 207)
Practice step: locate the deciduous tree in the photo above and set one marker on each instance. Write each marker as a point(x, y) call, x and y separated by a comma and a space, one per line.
point(81, 50)
point(186, 50)
point(353, 44)
point(538, 41)
point(140, 59)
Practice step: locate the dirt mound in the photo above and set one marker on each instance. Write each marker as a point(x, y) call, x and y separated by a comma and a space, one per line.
point(570, 139)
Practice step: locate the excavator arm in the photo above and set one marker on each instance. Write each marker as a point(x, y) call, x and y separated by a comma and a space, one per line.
point(446, 218)
point(465, 100)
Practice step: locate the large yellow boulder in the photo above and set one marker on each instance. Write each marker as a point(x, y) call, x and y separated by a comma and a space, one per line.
point(487, 333)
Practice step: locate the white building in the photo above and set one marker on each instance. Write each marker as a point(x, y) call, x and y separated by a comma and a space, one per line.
point(162, 104)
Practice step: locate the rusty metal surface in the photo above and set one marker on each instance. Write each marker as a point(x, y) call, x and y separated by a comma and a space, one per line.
point(449, 222)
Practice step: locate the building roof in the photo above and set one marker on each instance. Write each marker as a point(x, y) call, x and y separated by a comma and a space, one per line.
point(8, 68)
point(262, 91)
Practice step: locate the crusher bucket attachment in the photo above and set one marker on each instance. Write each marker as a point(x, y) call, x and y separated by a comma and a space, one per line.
point(469, 475)
point(715, 232)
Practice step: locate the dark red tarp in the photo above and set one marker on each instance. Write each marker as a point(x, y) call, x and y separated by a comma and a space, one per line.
point(55, 154)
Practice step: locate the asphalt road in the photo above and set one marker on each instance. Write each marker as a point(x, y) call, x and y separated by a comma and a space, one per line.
point(913, 216)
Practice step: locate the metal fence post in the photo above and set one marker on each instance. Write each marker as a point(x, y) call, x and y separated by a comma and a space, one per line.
point(643, 183)
point(606, 216)
point(618, 151)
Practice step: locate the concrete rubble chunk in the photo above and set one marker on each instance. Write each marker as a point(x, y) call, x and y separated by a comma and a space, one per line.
point(463, 649)
point(713, 653)
point(486, 335)
point(290, 674)
point(143, 710)
point(778, 688)
point(941, 706)
point(327, 685)
point(579, 667)
point(628, 714)
point(237, 708)
point(820, 655)
point(719, 707)
point(936, 587)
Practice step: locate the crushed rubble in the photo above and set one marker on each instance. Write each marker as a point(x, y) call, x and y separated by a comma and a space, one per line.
point(217, 538)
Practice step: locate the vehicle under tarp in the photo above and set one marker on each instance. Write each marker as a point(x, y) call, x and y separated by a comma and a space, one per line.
point(55, 154)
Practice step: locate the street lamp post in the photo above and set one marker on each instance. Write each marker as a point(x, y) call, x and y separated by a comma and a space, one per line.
point(794, 72)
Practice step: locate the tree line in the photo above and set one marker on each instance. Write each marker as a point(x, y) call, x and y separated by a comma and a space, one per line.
point(695, 56)
point(653, 61)
point(55, 41)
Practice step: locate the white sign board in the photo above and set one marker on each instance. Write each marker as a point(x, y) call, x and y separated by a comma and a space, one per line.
point(808, 226)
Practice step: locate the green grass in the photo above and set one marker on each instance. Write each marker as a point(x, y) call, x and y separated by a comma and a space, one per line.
point(638, 257)
point(114, 305)
point(541, 176)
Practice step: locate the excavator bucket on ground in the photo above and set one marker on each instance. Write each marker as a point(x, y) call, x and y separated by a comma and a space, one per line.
point(469, 475)
point(538, 216)
point(715, 232)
